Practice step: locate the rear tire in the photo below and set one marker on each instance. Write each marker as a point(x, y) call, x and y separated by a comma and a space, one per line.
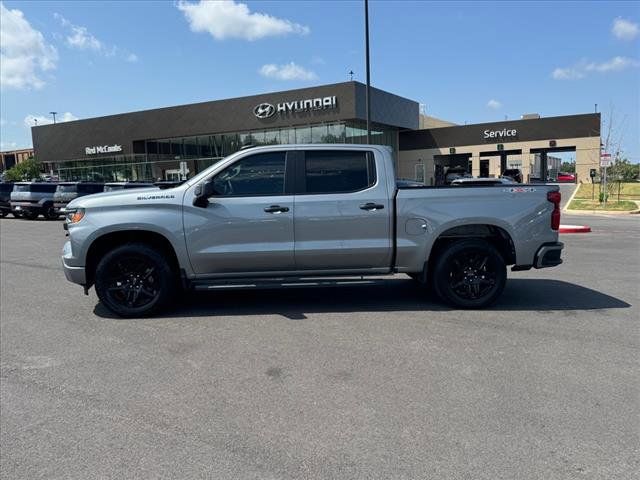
point(30, 215)
point(134, 280)
point(469, 274)
point(3, 213)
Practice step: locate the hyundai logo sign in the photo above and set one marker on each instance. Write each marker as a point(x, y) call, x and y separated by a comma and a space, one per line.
point(264, 110)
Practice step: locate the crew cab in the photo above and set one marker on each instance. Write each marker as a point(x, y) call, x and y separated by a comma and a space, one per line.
point(292, 215)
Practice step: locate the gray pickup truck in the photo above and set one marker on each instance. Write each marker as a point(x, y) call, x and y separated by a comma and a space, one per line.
point(292, 215)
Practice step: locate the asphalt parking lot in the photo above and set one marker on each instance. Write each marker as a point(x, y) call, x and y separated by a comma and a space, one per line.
point(358, 382)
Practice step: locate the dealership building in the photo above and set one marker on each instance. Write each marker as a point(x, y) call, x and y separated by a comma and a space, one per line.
point(177, 142)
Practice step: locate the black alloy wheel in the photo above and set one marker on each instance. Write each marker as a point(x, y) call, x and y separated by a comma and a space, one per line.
point(134, 280)
point(470, 274)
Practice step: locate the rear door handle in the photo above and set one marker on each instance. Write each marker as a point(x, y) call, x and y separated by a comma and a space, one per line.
point(276, 209)
point(371, 206)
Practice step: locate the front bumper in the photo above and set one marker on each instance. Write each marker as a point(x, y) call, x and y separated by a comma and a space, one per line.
point(548, 255)
point(73, 273)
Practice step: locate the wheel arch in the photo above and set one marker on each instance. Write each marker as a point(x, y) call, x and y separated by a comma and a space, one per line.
point(496, 235)
point(108, 241)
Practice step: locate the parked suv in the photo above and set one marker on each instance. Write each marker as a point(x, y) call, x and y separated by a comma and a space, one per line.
point(5, 199)
point(31, 199)
point(67, 191)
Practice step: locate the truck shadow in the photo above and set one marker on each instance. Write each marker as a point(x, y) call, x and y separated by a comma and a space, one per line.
point(388, 295)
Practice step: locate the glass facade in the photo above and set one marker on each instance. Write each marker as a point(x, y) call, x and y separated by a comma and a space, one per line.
point(163, 157)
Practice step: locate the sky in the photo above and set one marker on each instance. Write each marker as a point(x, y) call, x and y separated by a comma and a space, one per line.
point(466, 62)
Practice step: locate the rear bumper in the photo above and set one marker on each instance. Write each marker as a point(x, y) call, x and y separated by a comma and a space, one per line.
point(548, 255)
point(25, 206)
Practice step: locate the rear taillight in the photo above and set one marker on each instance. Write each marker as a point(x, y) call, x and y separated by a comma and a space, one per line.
point(555, 197)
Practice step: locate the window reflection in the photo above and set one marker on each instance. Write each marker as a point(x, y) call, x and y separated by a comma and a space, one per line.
point(164, 154)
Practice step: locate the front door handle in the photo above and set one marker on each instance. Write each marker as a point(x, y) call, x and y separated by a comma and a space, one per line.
point(276, 209)
point(371, 206)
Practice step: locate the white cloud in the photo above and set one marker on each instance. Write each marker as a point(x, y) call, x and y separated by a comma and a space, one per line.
point(30, 120)
point(624, 29)
point(288, 71)
point(227, 19)
point(614, 65)
point(583, 68)
point(494, 104)
point(24, 53)
point(79, 38)
point(570, 73)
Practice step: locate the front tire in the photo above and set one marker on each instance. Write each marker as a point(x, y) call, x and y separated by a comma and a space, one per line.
point(51, 214)
point(134, 280)
point(470, 274)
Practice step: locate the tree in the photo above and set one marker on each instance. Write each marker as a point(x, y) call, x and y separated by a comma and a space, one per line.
point(25, 170)
point(569, 167)
point(623, 170)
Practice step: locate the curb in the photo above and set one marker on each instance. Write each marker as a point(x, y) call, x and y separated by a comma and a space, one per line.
point(605, 213)
point(574, 229)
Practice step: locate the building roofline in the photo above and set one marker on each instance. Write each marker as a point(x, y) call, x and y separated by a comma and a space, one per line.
point(354, 83)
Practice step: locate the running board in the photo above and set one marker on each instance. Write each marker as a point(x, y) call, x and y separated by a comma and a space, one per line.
point(272, 283)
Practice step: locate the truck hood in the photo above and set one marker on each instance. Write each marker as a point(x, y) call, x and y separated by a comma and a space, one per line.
point(128, 196)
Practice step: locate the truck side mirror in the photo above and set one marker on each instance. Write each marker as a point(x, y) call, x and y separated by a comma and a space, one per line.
point(202, 193)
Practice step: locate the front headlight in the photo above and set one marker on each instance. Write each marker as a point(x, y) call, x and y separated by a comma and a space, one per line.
point(74, 215)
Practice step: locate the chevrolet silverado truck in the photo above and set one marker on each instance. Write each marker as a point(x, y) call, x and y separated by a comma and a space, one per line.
point(296, 215)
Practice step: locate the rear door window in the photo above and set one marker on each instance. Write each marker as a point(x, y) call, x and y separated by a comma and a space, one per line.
point(336, 171)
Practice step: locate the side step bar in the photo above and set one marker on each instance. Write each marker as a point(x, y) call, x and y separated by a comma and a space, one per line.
point(274, 283)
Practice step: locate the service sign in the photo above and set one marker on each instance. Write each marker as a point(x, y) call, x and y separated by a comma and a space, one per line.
point(503, 134)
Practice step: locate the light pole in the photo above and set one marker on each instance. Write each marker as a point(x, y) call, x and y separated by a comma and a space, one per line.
point(367, 96)
point(54, 116)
